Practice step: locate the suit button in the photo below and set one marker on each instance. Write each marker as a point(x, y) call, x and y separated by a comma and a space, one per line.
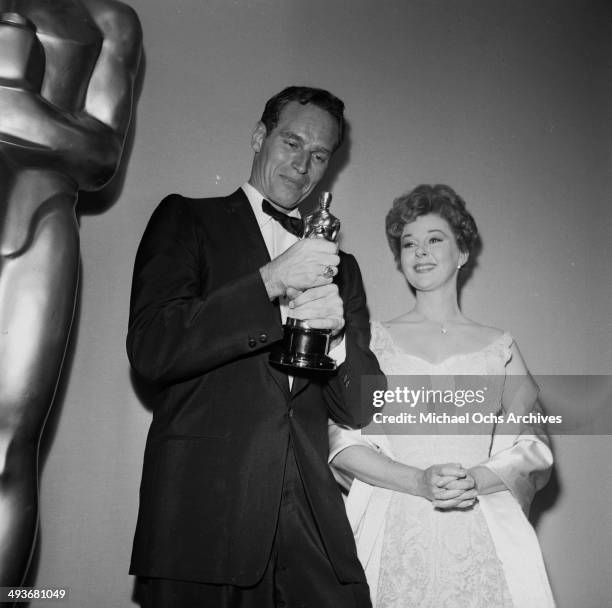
point(346, 380)
point(263, 338)
point(252, 342)
point(290, 412)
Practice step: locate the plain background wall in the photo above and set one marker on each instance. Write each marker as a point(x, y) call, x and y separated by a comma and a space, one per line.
point(508, 101)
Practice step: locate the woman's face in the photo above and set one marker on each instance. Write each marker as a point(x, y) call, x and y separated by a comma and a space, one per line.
point(429, 253)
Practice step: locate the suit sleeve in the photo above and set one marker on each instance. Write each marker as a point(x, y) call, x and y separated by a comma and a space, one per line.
point(345, 401)
point(179, 328)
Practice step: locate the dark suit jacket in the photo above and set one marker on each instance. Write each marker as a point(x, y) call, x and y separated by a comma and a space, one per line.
point(201, 326)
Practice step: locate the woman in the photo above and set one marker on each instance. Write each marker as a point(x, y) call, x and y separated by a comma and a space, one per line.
point(440, 520)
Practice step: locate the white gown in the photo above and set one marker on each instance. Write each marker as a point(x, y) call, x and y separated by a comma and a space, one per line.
point(485, 557)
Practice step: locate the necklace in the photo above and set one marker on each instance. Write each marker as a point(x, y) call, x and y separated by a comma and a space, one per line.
point(443, 325)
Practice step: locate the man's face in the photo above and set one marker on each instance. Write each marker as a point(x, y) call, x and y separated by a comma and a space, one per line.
point(291, 159)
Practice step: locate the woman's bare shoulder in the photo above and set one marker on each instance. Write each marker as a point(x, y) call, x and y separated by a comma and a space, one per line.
point(482, 335)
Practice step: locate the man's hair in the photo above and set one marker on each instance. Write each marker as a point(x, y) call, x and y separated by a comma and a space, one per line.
point(442, 201)
point(304, 95)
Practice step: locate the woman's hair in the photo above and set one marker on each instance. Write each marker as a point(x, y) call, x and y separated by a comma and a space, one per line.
point(441, 200)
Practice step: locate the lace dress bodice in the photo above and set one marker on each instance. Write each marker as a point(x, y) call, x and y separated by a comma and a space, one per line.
point(489, 362)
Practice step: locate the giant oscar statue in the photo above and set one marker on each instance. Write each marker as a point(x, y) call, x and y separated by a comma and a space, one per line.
point(67, 71)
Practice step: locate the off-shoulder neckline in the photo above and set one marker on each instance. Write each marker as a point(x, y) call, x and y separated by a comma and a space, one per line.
point(504, 338)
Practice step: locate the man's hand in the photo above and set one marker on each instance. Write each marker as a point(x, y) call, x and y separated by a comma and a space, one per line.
point(301, 267)
point(321, 307)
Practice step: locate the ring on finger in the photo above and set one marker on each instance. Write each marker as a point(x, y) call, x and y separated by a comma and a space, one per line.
point(328, 273)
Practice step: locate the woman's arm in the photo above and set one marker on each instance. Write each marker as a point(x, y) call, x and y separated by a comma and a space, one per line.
point(486, 481)
point(520, 462)
point(377, 469)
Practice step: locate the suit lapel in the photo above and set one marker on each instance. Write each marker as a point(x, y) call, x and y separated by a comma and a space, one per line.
point(299, 384)
point(250, 240)
point(247, 232)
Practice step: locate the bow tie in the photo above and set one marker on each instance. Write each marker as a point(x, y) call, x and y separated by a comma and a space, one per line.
point(290, 224)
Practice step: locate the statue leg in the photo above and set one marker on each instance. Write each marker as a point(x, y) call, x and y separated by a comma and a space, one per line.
point(37, 297)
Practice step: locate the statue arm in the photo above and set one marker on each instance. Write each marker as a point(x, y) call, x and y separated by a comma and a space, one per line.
point(85, 144)
point(111, 87)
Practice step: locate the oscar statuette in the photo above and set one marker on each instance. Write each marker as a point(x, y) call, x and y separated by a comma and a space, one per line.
point(303, 347)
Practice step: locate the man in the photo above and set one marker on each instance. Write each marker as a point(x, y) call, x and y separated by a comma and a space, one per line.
point(238, 507)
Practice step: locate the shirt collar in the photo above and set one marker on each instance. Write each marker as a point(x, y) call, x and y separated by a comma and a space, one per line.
point(256, 198)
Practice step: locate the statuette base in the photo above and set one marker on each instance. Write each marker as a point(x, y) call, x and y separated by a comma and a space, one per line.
point(303, 348)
